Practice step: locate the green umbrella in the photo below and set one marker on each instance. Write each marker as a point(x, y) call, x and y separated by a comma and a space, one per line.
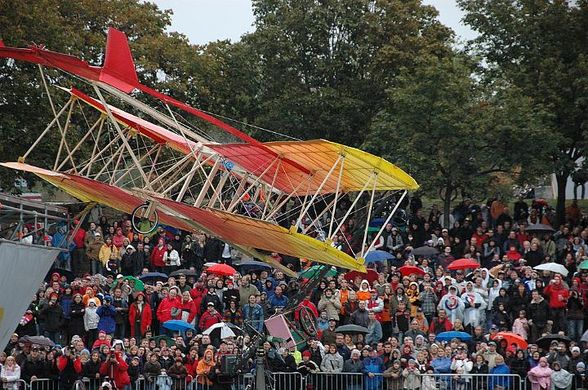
point(315, 270)
point(583, 265)
point(137, 284)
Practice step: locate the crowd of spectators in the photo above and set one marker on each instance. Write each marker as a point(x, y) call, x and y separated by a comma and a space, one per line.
point(105, 326)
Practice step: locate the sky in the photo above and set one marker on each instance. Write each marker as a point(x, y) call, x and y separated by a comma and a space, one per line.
point(203, 21)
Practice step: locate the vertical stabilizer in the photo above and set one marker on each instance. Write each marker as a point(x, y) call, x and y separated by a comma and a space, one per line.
point(119, 67)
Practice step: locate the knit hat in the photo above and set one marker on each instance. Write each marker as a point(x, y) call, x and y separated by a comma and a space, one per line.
point(575, 349)
point(581, 366)
point(306, 353)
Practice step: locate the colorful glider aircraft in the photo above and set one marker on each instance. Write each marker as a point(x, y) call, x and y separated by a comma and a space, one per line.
point(243, 192)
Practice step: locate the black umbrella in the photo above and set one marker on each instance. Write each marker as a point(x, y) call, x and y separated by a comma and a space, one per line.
point(153, 277)
point(62, 272)
point(351, 329)
point(539, 228)
point(186, 272)
point(425, 251)
point(545, 341)
point(41, 341)
point(245, 267)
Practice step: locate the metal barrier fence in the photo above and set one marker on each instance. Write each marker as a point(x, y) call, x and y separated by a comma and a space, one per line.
point(17, 384)
point(312, 381)
point(391, 381)
point(44, 384)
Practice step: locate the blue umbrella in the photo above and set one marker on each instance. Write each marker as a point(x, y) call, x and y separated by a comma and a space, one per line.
point(177, 325)
point(153, 276)
point(378, 256)
point(247, 266)
point(448, 336)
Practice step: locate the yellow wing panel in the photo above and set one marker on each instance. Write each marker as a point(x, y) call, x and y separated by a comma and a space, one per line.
point(242, 231)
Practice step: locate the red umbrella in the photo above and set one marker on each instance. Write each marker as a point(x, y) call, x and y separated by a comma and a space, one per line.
point(370, 276)
point(410, 269)
point(222, 269)
point(463, 264)
point(512, 338)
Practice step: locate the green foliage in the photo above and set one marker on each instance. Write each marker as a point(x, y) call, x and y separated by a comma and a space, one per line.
point(455, 134)
point(325, 64)
point(542, 48)
point(75, 27)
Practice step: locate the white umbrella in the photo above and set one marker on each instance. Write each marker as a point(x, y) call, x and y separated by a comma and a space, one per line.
point(553, 267)
point(224, 329)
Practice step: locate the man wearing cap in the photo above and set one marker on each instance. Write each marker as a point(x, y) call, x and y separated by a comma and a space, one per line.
point(330, 303)
point(209, 317)
point(373, 367)
point(34, 367)
point(490, 355)
point(307, 366)
point(560, 355)
point(107, 314)
point(576, 357)
point(211, 297)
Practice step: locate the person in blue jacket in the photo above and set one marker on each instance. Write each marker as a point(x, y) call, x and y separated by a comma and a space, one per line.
point(373, 367)
point(278, 300)
point(253, 314)
point(107, 314)
point(499, 378)
point(442, 365)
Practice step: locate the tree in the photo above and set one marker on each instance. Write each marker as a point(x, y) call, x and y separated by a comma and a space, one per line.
point(325, 64)
point(542, 48)
point(76, 27)
point(455, 134)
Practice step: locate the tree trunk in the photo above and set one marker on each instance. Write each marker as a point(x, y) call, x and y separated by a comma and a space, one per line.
point(560, 207)
point(447, 205)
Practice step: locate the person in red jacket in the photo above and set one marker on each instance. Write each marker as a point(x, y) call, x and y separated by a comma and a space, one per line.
point(209, 317)
point(441, 323)
point(198, 293)
point(70, 368)
point(557, 295)
point(157, 256)
point(170, 307)
point(189, 309)
point(116, 368)
point(140, 317)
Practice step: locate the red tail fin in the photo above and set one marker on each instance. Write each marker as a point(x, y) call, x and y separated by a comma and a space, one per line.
point(119, 67)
